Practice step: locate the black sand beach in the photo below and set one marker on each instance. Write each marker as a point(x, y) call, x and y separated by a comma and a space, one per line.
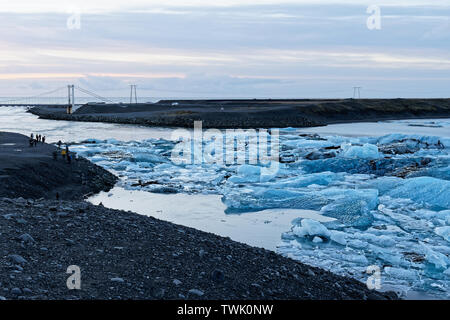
point(253, 113)
point(123, 255)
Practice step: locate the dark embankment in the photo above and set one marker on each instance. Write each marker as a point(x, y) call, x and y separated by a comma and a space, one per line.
point(254, 113)
point(123, 255)
point(32, 173)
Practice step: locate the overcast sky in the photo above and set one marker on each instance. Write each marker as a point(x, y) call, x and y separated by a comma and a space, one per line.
point(236, 48)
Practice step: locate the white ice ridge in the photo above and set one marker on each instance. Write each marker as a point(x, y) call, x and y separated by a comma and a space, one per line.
point(390, 197)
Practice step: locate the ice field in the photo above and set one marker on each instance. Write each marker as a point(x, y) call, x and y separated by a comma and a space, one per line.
point(389, 196)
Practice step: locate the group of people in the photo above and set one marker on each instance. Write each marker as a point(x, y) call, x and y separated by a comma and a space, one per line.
point(65, 153)
point(35, 139)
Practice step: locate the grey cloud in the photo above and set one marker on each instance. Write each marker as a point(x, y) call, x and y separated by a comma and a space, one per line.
point(406, 31)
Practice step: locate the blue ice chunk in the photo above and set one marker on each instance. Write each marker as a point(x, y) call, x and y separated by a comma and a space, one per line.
point(366, 151)
point(322, 178)
point(415, 139)
point(351, 207)
point(444, 232)
point(246, 173)
point(435, 192)
point(399, 273)
point(379, 167)
point(311, 228)
point(437, 170)
point(439, 260)
point(248, 170)
point(338, 237)
point(385, 184)
point(148, 157)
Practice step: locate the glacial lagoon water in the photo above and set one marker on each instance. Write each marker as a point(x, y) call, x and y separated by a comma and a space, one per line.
point(345, 197)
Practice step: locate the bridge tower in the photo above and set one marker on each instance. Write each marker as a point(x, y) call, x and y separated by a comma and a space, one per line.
point(133, 91)
point(71, 96)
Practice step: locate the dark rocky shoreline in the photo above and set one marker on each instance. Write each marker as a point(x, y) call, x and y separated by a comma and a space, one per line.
point(253, 113)
point(123, 255)
point(32, 173)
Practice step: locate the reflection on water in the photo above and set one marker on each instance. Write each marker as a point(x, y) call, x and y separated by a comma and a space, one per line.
point(421, 127)
point(16, 119)
point(207, 213)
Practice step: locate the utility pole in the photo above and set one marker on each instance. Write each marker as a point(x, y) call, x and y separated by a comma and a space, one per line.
point(133, 91)
point(357, 92)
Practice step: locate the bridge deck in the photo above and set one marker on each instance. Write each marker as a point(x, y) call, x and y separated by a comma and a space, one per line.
point(34, 105)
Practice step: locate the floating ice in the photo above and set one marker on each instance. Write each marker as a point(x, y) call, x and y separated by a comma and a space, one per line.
point(435, 192)
point(367, 151)
point(439, 260)
point(311, 228)
point(444, 232)
point(350, 206)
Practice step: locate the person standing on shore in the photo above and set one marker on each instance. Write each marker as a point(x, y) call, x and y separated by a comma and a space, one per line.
point(43, 139)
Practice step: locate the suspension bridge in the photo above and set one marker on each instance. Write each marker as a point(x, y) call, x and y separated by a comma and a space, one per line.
point(61, 97)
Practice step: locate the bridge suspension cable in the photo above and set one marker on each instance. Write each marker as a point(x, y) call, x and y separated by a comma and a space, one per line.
point(33, 97)
point(90, 93)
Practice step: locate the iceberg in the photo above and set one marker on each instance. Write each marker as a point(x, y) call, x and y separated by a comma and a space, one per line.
point(339, 237)
point(439, 260)
point(432, 191)
point(366, 151)
point(311, 228)
point(350, 206)
point(444, 232)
